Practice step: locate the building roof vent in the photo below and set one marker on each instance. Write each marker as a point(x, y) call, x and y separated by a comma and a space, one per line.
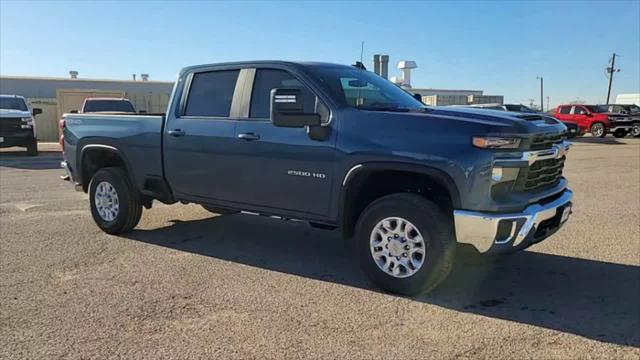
point(73, 74)
point(145, 77)
point(406, 66)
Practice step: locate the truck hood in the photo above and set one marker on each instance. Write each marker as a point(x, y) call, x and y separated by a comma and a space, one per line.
point(508, 121)
point(10, 113)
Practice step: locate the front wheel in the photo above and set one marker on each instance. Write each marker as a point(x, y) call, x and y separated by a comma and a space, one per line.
point(620, 133)
point(32, 148)
point(116, 206)
point(635, 131)
point(598, 130)
point(405, 243)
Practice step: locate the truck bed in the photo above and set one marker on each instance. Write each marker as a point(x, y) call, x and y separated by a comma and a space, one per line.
point(136, 137)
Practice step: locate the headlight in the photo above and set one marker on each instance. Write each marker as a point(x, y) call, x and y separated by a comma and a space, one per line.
point(27, 120)
point(490, 142)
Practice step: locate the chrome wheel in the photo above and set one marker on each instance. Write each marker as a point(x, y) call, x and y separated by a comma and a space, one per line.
point(397, 247)
point(597, 130)
point(106, 201)
point(635, 131)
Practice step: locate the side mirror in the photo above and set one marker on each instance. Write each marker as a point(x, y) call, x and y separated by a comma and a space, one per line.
point(36, 111)
point(73, 111)
point(287, 109)
point(142, 111)
point(417, 97)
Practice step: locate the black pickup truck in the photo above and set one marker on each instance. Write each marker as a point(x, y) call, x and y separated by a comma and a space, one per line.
point(339, 147)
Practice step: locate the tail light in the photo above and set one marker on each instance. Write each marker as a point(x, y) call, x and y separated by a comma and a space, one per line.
point(61, 124)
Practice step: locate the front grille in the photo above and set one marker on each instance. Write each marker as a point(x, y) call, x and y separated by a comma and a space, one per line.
point(540, 175)
point(10, 124)
point(543, 142)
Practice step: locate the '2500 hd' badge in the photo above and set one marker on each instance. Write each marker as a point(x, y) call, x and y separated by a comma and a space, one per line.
point(306, 174)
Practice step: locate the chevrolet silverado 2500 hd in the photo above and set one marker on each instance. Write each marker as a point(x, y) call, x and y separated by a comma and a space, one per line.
point(339, 147)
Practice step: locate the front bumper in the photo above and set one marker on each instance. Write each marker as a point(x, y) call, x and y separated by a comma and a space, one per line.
point(621, 127)
point(16, 140)
point(502, 233)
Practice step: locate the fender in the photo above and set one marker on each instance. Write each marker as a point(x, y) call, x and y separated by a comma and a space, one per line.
point(438, 175)
point(91, 145)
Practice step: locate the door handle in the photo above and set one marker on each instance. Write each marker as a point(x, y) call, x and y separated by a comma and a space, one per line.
point(176, 132)
point(249, 136)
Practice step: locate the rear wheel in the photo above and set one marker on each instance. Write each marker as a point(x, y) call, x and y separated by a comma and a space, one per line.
point(405, 243)
point(635, 131)
point(598, 130)
point(32, 148)
point(116, 206)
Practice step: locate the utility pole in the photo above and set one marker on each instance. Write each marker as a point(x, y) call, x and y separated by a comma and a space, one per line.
point(548, 103)
point(611, 70)
point(541, 93)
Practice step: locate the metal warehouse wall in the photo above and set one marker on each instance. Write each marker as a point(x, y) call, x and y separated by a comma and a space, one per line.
point(152, 96)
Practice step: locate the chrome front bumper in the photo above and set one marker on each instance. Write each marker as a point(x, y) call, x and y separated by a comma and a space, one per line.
point(621, 127)
point(496, 233)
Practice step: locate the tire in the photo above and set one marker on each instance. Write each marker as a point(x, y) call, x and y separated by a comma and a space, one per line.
point(635, 131)
point(620, 134)
point(598, 130)
point(435, 228)
point(32, 148)
point(126, 214)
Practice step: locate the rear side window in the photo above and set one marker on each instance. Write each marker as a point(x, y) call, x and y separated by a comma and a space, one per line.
point(211, 93)
point(565, 109)
point(579, 110)
point(268, 79)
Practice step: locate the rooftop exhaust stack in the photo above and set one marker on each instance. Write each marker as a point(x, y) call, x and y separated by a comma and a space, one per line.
point(145, 77)
point(376, 64)
point(73, 74)
point(406, 66)
point(384, 66)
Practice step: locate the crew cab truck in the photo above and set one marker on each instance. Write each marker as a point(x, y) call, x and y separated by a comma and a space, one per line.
point(596, 119)
point(107, 105)
point(339, 147)
point(17, 124)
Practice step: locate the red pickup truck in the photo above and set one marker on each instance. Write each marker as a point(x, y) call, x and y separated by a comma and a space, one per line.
point(595, 119)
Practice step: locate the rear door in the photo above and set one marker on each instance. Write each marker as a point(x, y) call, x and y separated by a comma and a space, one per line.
point(282, 168)
point(564, 114)
point(199, 140)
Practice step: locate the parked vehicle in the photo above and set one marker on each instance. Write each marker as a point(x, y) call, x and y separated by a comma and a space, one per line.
point(596, 119)
point(631, 110)
point(339, 147)
point(572, 128)
point(17, 124)
point(107, 105)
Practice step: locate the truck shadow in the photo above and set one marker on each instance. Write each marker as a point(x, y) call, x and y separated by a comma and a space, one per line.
point(597, 140)
point(45, 160)
point(594, 299)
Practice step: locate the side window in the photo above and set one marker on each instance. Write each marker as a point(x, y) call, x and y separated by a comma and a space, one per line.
point(268, 79)
point(211, 93)
point(565, 109)
point(579, 110)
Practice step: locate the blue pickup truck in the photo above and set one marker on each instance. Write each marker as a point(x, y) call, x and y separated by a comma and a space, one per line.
point(339, 147)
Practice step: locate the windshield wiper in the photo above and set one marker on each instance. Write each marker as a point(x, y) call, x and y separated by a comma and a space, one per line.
point(384, 108)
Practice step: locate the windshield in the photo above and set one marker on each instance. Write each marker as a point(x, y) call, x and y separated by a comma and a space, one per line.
point(634, 108)
point(108, 106)
point(10, 103)
point(365, 90)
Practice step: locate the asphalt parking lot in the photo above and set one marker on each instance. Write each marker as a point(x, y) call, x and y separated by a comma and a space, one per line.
point(187, 283)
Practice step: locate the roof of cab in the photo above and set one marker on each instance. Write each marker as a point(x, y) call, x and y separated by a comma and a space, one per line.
point(261, 62)
point(11, 96)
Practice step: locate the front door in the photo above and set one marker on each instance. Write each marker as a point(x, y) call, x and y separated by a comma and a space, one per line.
point(283, 168)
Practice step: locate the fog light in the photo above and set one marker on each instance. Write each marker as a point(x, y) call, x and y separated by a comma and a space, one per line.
point(496, 174)
point(28, 126)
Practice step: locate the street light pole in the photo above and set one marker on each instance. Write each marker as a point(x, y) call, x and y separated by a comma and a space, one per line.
point(541, 93)
point(611, 70)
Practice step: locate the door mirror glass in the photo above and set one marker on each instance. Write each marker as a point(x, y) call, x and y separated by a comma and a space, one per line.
point(287, 109)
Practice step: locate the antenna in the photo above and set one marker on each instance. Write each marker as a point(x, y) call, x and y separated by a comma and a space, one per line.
point(361, 52)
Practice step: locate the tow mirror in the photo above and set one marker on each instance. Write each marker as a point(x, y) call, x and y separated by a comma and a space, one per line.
point(36, 111)
point(287, 109)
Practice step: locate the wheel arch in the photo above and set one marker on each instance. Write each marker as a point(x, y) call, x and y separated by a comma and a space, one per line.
point(93, 157)
point(365, 182)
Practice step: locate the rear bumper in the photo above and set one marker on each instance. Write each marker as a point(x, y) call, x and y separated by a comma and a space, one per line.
point(69, 175)
point(502, 233)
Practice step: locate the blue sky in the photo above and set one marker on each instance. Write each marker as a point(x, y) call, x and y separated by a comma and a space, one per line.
point(499, 47)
